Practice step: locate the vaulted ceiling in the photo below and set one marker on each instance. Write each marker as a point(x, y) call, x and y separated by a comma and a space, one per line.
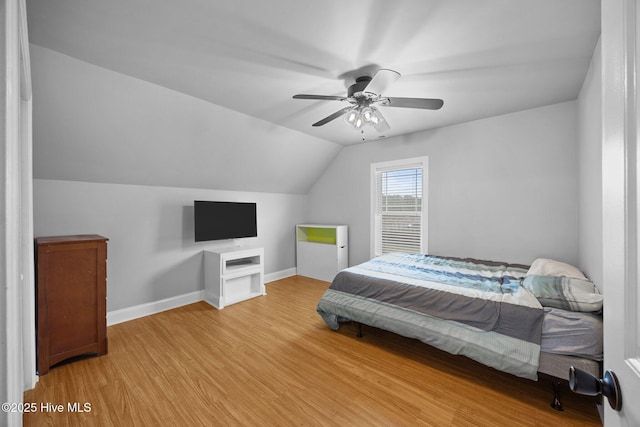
point(483, 58)
point(198, 93)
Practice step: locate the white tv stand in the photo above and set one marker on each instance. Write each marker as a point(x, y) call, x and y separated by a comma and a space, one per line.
point(232, 275)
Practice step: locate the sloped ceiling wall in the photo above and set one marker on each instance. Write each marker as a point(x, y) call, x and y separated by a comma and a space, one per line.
point(96, 125)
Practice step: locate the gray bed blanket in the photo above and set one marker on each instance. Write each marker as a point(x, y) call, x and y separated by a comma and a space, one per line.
point(463, 306)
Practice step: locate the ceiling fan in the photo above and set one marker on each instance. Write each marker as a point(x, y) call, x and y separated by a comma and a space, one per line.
point(365, 95)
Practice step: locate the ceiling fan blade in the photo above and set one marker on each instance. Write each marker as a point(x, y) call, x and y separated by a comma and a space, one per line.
point(332, 117)
point(381, 81)
point(320, 97)
point(423, 103)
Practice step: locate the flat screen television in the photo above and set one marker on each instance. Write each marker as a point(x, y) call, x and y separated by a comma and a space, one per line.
point(224, 220)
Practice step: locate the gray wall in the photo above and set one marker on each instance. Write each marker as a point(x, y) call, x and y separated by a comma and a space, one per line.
point(503, 188)
point(151, 249)
point(590, 156)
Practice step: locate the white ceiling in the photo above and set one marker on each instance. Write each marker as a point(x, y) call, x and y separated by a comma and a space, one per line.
point(483, 58)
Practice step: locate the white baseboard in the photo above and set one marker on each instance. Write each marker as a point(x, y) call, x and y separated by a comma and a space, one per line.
point(142, 310)
point(272, 277)
point(135, 312)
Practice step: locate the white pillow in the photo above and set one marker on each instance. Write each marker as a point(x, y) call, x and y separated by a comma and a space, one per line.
point(549, 267)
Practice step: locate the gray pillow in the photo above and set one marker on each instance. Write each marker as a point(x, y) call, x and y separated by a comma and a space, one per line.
point(567, 293)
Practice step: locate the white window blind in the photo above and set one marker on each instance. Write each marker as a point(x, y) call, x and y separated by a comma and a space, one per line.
point(399, 207)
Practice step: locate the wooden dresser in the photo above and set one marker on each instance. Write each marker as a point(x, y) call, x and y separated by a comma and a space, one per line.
point(71, 289)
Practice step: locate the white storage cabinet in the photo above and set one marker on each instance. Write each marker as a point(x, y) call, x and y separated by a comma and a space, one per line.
point(232, 275)
point(321, 250)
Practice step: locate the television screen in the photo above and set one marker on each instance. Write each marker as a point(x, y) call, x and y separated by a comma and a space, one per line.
point(224, 220)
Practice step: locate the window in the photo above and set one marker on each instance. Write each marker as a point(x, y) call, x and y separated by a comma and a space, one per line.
point(399, 206)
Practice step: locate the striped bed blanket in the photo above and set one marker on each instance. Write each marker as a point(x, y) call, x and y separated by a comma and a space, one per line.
point(463, 306)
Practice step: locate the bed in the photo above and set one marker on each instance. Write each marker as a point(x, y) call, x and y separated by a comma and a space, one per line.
point(519, 319)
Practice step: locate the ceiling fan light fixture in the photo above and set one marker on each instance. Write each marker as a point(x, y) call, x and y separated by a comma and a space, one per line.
point(354, 118)
point(351, 117)
point(380, 123)
point(365, 116)
point(368, 116)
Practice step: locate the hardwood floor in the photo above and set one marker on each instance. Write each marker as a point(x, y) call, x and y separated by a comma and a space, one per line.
point(273, 361)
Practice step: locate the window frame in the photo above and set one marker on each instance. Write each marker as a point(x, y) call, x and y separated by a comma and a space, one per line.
point(413, 162)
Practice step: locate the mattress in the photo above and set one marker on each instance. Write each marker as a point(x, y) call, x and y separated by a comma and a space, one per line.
point(572, 333)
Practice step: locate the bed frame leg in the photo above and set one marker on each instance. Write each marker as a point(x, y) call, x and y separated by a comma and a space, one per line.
point(555, 404)
point(359, 334)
